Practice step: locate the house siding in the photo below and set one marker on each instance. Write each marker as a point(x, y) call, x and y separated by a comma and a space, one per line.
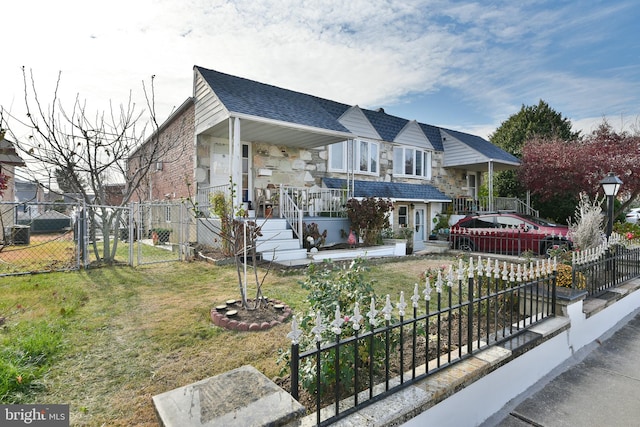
point(209, 110)
point(355, 120)
point(459, 153)
point(412, 135)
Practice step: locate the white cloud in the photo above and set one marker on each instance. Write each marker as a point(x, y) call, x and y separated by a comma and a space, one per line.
point(494, 57)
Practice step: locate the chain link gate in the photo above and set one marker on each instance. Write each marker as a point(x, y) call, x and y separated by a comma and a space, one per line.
point(163, 231)
point(106, 235)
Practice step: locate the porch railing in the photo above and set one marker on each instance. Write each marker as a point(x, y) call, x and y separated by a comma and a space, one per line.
point(290, 210)
point(357, 360)
point(203, 197)
point(598, 269)
point(298, 202)
point(463, 206)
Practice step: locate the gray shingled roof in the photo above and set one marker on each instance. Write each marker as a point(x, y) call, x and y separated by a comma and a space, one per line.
point(387, 126)
point(390, 190)
point(262, 100)
point(483, 146)
point(8, 154)
point(257, 99)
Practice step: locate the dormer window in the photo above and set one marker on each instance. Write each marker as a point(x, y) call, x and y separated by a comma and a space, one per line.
point(363, 154)
point(411, 162)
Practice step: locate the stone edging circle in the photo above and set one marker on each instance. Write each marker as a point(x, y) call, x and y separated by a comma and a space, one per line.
point(220, 319)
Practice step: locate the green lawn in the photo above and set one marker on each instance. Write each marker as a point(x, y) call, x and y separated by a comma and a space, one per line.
point(106, 340)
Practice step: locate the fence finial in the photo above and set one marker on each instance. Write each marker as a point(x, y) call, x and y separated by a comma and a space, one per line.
point(439, 282)
point(356, 318)
point(319, 328)
point(427, 289)
point(402, 305)
point(295, 333)
point(337, 322)
point(415, 297)
point(373, 313)
point(388, 309)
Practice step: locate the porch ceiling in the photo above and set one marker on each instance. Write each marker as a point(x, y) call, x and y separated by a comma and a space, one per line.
point(484, 166)
point(279, 133)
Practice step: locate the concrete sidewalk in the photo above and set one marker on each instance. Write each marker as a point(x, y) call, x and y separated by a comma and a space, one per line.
point(598, 386)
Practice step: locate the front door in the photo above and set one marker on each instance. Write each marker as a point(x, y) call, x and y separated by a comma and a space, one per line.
point(419, 224)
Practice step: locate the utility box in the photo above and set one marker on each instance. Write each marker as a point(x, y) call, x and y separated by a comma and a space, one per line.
point(18, 234)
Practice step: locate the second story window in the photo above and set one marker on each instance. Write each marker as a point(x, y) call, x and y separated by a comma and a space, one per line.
point(364, 156)
point(414, 162)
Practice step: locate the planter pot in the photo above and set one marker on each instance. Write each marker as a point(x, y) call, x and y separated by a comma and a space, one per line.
point(400, 246)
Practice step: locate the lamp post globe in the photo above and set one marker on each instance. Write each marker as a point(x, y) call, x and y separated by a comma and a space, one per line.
point(610, 185)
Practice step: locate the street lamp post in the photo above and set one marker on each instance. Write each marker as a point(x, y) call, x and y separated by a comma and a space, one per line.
point(610, 185)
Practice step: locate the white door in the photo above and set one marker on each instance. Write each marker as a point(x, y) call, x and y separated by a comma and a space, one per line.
point(419, 225)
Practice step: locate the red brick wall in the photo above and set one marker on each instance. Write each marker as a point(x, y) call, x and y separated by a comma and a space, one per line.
point(169, 180)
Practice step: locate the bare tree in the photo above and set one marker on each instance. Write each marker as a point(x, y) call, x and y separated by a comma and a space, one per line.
point(93, 151)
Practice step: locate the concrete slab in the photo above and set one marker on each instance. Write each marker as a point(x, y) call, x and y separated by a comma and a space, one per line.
point(243, 397)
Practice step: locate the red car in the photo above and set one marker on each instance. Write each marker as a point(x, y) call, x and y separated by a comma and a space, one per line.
point(508, 233)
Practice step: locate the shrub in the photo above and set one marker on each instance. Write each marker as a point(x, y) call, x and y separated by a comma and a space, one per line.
point(369, 217)
point(565, 278)
point(330, 286)
point(586, 232)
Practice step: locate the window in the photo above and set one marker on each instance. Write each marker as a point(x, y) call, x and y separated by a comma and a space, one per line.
point(411, 162)
point(366, 153)
point(403, 216)
point(338, 156)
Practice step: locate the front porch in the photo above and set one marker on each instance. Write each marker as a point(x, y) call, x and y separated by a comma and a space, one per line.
point(287, 209)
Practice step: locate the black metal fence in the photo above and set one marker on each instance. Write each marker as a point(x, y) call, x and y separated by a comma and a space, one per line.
point(362, 361)
point(607, 266)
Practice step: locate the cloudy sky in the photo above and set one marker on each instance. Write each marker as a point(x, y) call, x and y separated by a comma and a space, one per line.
point(457, 64)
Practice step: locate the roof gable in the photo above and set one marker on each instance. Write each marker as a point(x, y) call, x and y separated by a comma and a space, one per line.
point(481, 146)
point(412, 134)
point(355, 120)
point(8, 154)
point(433, 135)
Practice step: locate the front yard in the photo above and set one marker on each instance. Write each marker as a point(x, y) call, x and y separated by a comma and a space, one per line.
point(111, 338)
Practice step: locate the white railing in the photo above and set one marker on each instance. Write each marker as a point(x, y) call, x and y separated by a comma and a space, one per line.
point(484, 204)
point(297, 202)
point(203, 197)
point(328, 202)
point(292, 213)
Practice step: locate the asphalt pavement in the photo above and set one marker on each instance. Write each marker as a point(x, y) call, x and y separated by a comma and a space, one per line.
point(598, 386)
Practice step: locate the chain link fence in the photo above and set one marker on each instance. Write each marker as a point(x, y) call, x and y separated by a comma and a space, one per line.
point(38, 237)
point(43, 237)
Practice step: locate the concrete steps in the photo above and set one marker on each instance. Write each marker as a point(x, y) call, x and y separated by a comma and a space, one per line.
point(277, 242)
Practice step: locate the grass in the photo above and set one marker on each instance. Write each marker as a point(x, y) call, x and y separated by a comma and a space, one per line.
point(106, 340)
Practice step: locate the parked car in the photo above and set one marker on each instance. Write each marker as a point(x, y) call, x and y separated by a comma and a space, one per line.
point(508, 233)
point(633, 215)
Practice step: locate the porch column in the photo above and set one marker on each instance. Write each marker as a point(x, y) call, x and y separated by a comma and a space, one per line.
point(490, 184)
point(236, 163)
